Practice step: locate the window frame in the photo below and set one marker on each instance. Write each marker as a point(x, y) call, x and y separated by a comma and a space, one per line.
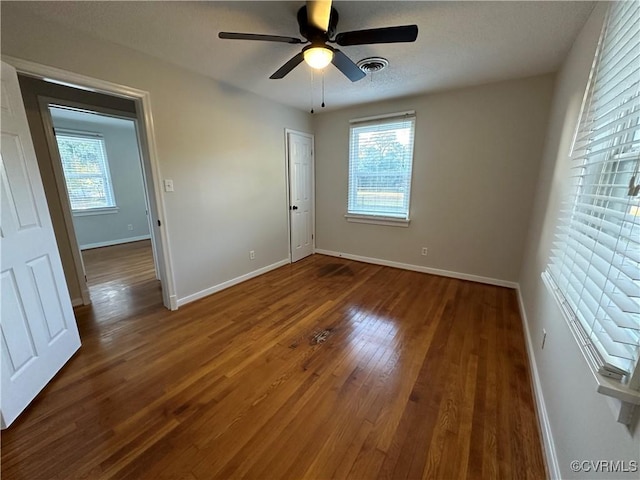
point(353, 216)
point(112, 206)
point(567, 258)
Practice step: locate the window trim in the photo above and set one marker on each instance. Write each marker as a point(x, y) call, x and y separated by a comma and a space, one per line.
point(384, 116)
point(377, 220)
point(86, 212)
point(373, 218)
point(79, 212)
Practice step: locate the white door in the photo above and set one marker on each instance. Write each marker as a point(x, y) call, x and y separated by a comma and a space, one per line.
point(301, 180)
point(38, 331)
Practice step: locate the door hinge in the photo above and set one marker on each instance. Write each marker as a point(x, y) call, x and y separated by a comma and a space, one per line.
point(159, 223)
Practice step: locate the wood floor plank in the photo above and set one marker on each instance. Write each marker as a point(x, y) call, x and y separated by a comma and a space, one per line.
point(419, 377)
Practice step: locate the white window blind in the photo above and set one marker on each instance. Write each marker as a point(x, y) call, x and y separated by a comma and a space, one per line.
point(380, 163)
point(86, 170)
point(595, 265)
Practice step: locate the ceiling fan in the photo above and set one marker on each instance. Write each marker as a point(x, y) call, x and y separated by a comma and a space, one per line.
point(317, 21)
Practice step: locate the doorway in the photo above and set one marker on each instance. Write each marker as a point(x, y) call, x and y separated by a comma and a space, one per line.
point(43, 86)
point(300, 175)
point(98, 164)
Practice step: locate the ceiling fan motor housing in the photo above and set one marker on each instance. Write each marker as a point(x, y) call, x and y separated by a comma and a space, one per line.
point(313, 34)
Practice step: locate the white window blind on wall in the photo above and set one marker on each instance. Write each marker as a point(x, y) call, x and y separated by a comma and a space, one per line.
point(380, 164)
point(86, 170)
point(595, 265)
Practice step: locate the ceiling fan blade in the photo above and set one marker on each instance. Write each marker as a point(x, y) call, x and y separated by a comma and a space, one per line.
point(287, 67)
point(255, 36)
point(318, 13)
point(405, 33)
point(346, 66)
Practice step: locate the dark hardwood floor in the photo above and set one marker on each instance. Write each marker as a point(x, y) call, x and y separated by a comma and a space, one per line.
point(419, 377)
point(124, 264)
point(122, 282)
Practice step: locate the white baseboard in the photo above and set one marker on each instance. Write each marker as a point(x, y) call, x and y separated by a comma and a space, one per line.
point(229, 283)
point(86, 295)
point(420, 268)
point(173, 302)
point(110, 243)
point(76, 302)
point(543, 418)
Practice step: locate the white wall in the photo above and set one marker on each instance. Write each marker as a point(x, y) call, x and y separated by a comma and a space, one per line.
point(476, 158)
point(581, 421)
point(125, 168)
point(223, 148)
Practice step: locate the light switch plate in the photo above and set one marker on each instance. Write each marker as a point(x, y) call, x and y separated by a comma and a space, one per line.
point(168, 185)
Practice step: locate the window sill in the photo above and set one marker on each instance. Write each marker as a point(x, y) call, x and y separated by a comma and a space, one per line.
point(95, 211)
point(627, 396)
point(377, 220)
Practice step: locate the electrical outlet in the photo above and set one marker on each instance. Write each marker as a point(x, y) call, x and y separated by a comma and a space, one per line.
point(424, 251)
point(252, 255)
point(129, 227)
point(544, 338)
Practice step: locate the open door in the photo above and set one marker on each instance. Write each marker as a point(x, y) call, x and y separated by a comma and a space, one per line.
point(38, 330)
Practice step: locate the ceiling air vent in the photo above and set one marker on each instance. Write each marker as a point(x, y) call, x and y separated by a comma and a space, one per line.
point(373, 64)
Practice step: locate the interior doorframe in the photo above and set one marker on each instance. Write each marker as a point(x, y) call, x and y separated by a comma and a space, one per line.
point(287, 132)
point(148, 152)
point(45, 102)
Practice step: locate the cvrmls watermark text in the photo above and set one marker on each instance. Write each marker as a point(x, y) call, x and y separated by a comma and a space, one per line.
point(604, 466)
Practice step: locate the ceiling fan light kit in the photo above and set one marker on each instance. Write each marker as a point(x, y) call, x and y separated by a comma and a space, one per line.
point(318, 57)
point(317, 21)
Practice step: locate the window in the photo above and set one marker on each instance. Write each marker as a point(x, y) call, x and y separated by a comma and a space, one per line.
point(594, 270)
point(380, 162)
point(86, 170)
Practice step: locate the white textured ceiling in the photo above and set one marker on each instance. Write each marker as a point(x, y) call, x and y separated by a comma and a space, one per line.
point(88, 118)
point(459, 43)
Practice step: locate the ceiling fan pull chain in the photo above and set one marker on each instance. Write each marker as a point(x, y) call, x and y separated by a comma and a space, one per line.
point(322, 88)
point(311, 89)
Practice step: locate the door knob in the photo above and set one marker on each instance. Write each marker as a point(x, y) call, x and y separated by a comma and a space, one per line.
point(295, 207)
